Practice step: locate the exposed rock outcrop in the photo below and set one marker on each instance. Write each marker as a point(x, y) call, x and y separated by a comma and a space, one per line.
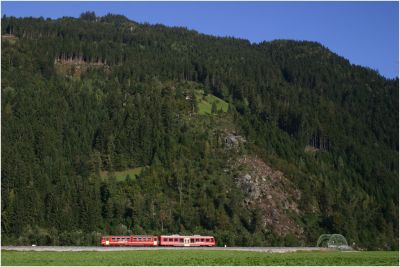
point(272, 193)
point(77, 66)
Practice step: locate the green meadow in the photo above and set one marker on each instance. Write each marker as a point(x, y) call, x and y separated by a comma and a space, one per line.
point(121, 175)
point(205, 102)
point(198, 257)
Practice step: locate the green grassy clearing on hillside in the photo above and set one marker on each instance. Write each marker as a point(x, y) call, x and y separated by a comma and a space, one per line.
point(205, 103)
point(121, 175)
point(198, 257)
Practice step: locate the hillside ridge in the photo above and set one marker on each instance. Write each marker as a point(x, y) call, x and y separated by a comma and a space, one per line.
point(210, 118)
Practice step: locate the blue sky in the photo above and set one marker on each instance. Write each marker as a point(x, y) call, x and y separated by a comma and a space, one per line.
point(366, 33)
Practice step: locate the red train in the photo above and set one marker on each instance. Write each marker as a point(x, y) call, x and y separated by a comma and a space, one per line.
point(164, 240)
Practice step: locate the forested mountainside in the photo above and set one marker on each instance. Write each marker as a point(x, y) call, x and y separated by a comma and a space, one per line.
point(114, 127)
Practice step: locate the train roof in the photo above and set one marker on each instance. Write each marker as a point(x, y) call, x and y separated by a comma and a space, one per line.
point(208, 236)
point(128, 236)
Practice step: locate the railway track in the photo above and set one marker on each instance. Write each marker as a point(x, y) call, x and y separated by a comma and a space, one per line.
point(87, 248)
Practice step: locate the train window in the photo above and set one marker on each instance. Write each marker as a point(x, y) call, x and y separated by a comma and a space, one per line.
point(202, 240)
point(171, 240)
point(175, 239)
point(191, 240)
point(181, 240)
point(155, 238)
point(207, 240)
point(197, 240)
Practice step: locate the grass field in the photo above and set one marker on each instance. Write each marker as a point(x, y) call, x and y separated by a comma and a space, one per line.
point(198, 257)
point(205, 103)
point(121, 175)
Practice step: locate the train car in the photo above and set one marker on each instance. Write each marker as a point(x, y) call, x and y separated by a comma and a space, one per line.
point(134, 240)
point(187, 241)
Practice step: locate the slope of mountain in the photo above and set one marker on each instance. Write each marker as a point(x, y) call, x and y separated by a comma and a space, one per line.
point(308, 144)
